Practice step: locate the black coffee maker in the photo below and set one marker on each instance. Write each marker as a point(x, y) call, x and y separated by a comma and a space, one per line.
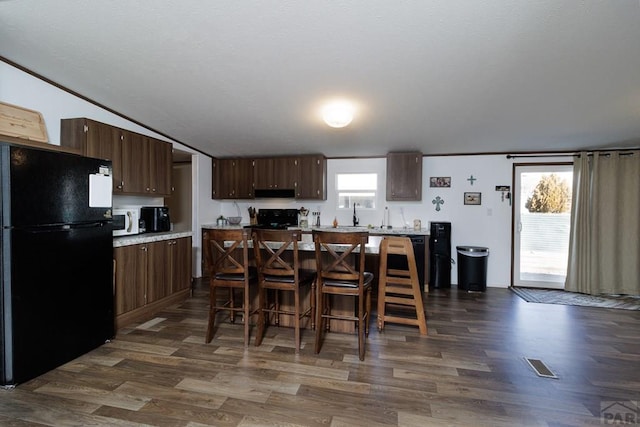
point(156, 218)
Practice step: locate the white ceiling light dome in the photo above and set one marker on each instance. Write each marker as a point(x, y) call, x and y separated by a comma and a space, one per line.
point(338, 114)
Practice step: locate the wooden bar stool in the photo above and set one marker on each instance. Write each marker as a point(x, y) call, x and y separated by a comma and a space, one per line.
point(278, 264)
point(399, 287)
point(337, 275)
point(229, 268)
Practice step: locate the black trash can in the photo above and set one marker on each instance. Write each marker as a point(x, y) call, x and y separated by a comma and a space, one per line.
point(472, 268)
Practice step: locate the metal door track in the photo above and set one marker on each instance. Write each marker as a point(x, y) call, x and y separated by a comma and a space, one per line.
point(540, 368)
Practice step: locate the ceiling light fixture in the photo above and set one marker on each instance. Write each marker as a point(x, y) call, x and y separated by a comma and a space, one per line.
point(338, 114)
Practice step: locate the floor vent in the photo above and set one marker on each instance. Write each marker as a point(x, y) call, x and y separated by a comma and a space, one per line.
point(540, 368)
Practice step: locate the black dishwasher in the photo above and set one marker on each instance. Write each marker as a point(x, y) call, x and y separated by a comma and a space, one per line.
point(418, 242)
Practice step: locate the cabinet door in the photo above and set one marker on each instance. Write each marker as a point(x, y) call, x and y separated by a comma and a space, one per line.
point(232, 178)
point(404, 176)
point(102, 141)
point(73, 134)
point(181, 264)
point(243, 176)
point(105, 142)
point(135, 164)
point(159, 271)
point(223, 179)
point(285, 172)
point(275, 172)
point(312, 178)
point(264, 169)
point(216, 176)
point(160, 167)
point(131, 277)
point(97, 140)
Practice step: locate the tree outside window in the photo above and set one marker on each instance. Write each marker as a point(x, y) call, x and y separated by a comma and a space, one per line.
point(551, 195)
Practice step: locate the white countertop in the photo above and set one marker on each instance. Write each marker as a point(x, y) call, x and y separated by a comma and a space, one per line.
point(137, 239)
point(346, 229)
point(306, 244)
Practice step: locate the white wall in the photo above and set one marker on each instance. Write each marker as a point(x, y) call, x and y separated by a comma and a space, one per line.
point(486, 225)
point(24, 90)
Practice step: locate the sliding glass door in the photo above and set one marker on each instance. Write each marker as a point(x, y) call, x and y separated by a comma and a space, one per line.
point(542, 207)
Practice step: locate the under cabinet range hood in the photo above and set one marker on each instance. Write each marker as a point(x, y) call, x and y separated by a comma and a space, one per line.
point(274, 193)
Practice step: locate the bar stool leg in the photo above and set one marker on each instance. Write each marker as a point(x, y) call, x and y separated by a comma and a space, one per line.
point(382, 284)
point(312, 304)
point(319, 319)
point(368, 313)
point(246, 312)
point(261, 315)
point(212, 314)
point(296, 296)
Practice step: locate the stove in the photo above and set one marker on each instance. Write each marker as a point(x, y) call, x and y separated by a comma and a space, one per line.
point(268, 226)
point(276, 219)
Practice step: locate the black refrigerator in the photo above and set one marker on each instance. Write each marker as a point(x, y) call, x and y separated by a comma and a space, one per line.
point(56, 289)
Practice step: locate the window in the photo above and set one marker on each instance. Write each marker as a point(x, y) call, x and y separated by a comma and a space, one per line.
point(358, 188)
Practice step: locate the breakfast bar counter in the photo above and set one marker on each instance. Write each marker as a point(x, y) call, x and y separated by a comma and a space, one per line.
point(307, 256)
point(306, 244)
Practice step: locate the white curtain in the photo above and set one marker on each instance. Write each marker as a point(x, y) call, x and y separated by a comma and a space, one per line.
point(604, 244)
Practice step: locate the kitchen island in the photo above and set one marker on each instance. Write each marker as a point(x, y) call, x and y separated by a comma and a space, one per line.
point(307, 256)
point(375, 234)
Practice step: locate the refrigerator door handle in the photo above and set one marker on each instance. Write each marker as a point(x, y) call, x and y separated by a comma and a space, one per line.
point(45, 229)
point(64, 228)
point(90, 224)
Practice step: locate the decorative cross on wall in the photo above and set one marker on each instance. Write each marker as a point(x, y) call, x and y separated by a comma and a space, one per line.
point(471, 179)
point(438, 201)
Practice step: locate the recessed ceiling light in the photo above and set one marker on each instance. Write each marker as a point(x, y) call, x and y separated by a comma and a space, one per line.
point(338, 114)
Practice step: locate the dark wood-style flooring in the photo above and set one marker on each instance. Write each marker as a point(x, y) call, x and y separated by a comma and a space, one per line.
point(468, 371)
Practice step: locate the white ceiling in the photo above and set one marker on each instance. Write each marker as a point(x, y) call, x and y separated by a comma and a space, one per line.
point(234, 77)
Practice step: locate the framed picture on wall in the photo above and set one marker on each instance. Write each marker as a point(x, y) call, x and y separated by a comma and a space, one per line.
point(472, 198)
point(440, 181)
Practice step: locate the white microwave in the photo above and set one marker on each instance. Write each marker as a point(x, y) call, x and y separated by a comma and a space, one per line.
point(126, 221)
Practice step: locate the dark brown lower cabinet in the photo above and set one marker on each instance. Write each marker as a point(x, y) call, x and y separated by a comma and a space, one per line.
point(150, 277)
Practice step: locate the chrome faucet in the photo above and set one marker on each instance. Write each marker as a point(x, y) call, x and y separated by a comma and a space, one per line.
point(355, 218)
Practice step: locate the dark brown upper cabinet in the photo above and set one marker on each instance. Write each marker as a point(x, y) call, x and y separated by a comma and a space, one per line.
point(237, 178)
point(160, 166)
point(404, 176)
point(97, 140)
point(135, 164)
point(312, 178)
point(276, 173)
point(232, 178)
point(141, 165)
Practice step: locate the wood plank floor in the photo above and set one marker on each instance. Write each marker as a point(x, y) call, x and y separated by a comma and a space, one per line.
point(469, 371)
